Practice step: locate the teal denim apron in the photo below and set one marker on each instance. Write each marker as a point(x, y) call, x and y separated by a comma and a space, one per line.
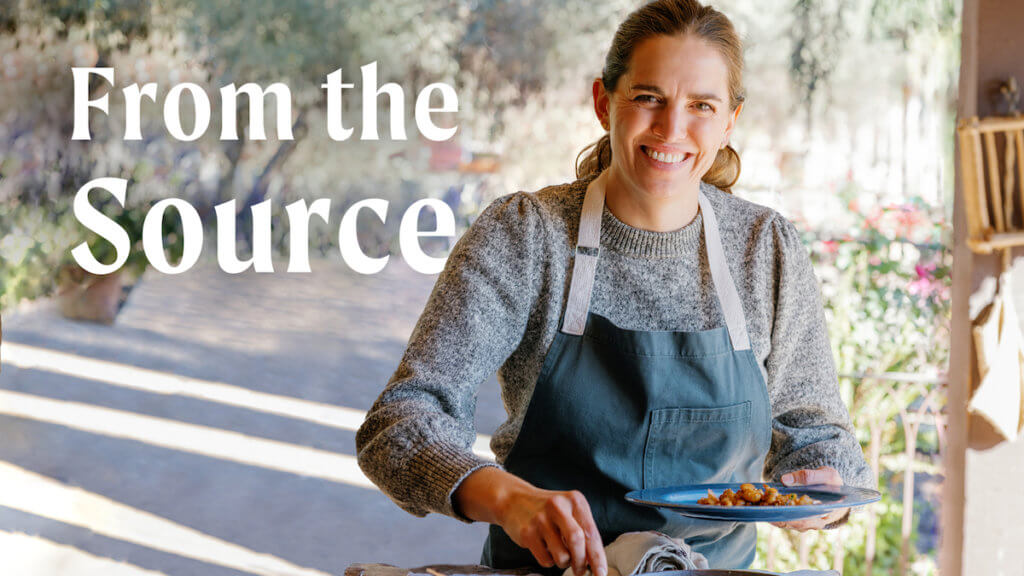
point(616, 410)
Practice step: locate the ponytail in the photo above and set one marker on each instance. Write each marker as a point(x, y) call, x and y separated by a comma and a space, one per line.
point(598, 157)
point(725, 171)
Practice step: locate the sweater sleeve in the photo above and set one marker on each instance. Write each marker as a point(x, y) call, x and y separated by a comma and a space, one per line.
point(810, 423)
point(415, 443)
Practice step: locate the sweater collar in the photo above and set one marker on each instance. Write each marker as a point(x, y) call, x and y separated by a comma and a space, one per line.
point(620, 237)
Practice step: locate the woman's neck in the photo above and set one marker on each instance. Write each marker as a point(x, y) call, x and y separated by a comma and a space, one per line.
point(646, 211)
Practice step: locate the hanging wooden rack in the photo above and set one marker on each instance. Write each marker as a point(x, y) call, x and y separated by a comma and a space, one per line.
point(992, 165)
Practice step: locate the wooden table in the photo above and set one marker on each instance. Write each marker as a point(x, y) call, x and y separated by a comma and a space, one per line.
point(444, 569)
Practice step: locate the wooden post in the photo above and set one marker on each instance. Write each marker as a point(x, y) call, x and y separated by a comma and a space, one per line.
point(874, 452)
point(838, 549)
point(979, 182)
point(1009, 184)
point(1018, 137)
point(805, 548)
point(967, 161)
point(910, 442)
point(993, 182)
point(911, 426)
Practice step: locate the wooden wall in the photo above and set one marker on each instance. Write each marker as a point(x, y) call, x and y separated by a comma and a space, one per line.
point(983, 512)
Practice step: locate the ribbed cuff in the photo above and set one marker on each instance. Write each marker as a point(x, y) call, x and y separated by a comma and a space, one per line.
point(440, 469)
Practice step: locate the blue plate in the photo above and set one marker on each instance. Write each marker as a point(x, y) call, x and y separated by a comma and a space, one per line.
point(683, 499)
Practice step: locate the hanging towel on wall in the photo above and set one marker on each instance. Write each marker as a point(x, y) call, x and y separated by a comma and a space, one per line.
point(999, 347)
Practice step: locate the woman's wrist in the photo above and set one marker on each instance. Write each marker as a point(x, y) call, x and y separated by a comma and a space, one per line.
point(484, 495)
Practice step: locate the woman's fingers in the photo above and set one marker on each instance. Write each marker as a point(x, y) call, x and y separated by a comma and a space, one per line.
point(555, 546)
point(556, 527)
point(801, 525)
point(595, 548)
point(536, 543)
point(823, 475)
point(798, 525)
point(815, 523)
point(572, 535)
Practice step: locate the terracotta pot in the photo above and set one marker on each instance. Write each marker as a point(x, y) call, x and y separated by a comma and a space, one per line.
point(86, 296)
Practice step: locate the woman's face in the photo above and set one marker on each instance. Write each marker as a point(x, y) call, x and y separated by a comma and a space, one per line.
point(668, 116)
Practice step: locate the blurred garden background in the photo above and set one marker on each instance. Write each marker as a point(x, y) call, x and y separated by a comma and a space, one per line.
point(847, 130)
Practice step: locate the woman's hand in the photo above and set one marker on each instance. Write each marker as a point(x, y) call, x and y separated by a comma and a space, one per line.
point(556, 527)
point(823, 475)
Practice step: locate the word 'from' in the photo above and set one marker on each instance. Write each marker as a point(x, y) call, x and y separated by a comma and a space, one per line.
point(188, 93)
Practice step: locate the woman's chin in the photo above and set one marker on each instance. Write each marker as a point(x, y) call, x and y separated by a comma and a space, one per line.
point(666, 187)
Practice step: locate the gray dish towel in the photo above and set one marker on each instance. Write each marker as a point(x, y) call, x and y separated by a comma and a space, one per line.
point(643, 552)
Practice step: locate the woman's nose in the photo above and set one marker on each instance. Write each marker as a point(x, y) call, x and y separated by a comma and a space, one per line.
point(672, 124)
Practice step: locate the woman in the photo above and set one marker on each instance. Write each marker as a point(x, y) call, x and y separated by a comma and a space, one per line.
point(648, 329)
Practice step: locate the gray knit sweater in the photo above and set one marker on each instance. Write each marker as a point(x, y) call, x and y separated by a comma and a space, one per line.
point(497, 305)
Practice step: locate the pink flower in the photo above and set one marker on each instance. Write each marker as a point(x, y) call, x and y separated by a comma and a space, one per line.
point(920, 287)
point(830, 246)
point(924, 272)
point(926, 285)
point(909, 219)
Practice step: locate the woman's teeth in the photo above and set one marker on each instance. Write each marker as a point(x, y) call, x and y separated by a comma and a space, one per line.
point(666, 158)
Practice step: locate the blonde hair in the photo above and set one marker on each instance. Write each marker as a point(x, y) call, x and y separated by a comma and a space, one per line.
point(671, 18)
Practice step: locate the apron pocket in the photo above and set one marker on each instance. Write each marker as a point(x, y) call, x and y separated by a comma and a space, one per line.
point(696, 445)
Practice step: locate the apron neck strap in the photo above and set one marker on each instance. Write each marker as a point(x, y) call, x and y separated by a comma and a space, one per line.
point(588, 249)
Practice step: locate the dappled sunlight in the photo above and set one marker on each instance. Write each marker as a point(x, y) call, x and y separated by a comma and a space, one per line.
point(30, 555)
point(211, 442)
point(35, 494)
point(292, 311)
point(124, 375)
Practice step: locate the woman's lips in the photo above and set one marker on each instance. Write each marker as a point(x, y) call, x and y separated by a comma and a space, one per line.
point(666, 159)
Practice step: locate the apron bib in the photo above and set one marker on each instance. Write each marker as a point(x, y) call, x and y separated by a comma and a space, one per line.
point(616, 410)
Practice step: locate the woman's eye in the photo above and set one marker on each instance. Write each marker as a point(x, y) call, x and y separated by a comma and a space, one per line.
point(645, 99)
point(705, 107)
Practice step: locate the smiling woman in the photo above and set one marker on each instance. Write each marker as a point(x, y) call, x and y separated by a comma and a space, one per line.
point(713, 79)
point(649, 329)
point(669, 122)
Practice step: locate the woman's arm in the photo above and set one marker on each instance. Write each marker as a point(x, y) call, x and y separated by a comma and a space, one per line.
point(810, 423)
point(416, 441)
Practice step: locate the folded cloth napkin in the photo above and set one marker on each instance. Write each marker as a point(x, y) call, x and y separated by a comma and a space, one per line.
point(642, 552)
point(639, 552)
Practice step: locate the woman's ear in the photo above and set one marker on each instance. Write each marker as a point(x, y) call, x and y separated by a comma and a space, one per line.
point(601, 103)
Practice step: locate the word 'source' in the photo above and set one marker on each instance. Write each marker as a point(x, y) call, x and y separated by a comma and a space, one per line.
point(299, 215)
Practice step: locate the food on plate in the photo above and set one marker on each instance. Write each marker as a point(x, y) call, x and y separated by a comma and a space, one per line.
point(749, 495)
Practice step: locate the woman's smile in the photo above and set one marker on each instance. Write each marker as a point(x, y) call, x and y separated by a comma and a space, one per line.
point(662, 159)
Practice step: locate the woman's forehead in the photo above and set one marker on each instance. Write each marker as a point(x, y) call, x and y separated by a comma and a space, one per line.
point(675, 63)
